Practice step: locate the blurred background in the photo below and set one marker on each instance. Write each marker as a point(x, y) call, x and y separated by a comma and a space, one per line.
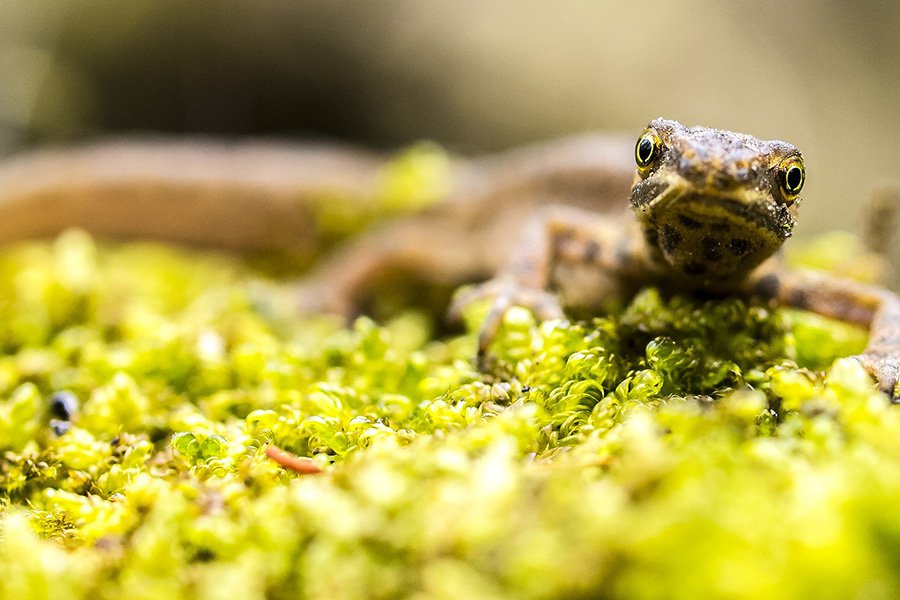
point(474, 75)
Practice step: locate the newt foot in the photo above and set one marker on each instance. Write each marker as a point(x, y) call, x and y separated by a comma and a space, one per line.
point(886, 370)
point(504, 294)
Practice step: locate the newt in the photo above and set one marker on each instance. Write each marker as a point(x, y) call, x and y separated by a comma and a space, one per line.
point(710, 210)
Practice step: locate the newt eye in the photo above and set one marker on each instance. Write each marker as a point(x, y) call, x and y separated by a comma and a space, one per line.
point(792, 175)
point(647, 149)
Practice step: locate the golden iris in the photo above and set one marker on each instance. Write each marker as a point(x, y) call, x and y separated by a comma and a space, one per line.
point(647, 149)
point(793, 175)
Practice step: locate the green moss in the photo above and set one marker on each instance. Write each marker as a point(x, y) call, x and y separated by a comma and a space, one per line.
point(413, 179)
point(675, 449)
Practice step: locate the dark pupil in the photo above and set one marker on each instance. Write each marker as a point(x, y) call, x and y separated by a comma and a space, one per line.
point(645, 150)
point(794, 178)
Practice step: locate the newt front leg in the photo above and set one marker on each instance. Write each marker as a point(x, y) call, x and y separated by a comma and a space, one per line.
point(857, 303)
point(555, 236)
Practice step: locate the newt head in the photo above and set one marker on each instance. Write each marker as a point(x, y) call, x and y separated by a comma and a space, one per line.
point(714, 204)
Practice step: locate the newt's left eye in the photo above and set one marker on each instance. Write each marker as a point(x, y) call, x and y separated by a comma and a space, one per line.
point(647, 149)
point(792, 175)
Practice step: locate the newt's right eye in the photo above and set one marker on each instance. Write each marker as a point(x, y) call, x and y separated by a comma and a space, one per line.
point(792, 174)
point(647, 150)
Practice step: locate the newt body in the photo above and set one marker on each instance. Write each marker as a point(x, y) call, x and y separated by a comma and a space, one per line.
point(262, 197)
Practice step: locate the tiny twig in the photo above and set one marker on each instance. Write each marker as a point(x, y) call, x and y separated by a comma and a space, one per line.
point(304, 466)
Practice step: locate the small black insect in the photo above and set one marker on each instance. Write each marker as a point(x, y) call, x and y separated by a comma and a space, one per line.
point(63, 405)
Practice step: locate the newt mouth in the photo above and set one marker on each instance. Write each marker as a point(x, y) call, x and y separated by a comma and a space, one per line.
point(656, 199)
point(756, 216)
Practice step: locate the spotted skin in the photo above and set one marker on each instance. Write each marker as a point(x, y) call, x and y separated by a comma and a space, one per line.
point(711, 209)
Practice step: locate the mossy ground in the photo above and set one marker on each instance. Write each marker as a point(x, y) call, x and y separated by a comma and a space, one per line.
point(675, 449)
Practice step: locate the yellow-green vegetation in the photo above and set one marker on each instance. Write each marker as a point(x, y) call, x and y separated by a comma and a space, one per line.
point(675, 449)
